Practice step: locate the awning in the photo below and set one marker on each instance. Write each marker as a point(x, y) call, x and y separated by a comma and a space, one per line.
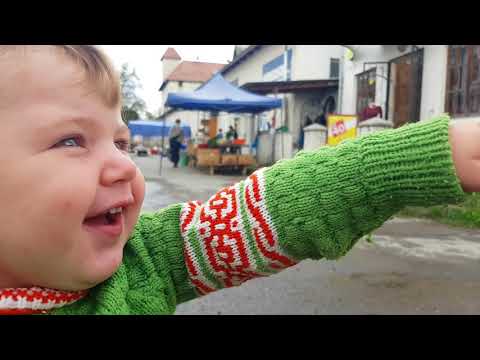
point(154, 128)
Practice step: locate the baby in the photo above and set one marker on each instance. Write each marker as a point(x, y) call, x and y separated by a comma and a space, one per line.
point(72, 240)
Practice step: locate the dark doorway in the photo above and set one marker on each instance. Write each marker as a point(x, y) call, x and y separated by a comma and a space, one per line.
point(406, 88)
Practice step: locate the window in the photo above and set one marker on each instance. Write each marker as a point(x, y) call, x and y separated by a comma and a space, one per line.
point(463, 80)
point(366, 89)
point(334, 68)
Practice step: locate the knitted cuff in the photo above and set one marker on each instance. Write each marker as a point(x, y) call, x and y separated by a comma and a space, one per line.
point(412, 165)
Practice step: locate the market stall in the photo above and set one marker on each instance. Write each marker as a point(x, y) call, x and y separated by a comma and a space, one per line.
point(151, 134)
point(218, 95)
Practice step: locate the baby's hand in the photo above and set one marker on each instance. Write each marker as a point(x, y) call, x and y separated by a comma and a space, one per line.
point(465, 140)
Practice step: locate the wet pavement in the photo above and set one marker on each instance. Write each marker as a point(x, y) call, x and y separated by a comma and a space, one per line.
point(410, 267)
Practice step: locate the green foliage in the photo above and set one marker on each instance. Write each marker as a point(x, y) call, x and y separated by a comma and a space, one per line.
point(465, 215)
point(133, 107)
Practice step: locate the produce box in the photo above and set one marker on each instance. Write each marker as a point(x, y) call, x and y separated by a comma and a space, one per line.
point(246, 160)
point(229, 159)
point(239, 141)
point(208, 157)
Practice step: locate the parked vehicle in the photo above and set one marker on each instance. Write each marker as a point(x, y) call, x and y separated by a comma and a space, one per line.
point(141, 151)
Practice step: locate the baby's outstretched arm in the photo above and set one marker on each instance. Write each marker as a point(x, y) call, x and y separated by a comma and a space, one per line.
point(316, 205)
point(320, 203)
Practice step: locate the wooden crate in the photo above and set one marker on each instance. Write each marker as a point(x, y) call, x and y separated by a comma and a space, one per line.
point(228, 159)
point(191, 149)
point(246, 160)
point(208, 157)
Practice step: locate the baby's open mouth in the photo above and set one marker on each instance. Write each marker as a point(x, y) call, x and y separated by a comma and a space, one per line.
point(107, 218)
point(109, 223)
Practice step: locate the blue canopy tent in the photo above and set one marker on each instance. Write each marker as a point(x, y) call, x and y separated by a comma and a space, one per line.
point(218, 95)
point(154, 128)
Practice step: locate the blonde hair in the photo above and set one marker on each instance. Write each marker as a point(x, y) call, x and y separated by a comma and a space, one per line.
point(98, 68)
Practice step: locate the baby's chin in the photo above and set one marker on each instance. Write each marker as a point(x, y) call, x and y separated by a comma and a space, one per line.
point(96, 274)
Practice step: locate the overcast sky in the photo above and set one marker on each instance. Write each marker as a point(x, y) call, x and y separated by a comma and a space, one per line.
point(146, 61)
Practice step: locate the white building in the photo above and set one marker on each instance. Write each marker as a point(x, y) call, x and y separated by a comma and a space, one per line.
point(305, 76)
point(185, 76)
point(412, 82)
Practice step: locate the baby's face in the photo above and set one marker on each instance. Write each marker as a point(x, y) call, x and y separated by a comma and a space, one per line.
point(64, 165)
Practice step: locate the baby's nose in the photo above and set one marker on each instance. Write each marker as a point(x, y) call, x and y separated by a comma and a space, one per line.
point(118, 168)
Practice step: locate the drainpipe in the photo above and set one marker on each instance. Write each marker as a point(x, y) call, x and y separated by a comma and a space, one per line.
point(285, 62)
point(340, 84)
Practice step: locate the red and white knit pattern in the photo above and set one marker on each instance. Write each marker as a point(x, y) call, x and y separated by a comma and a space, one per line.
point(262, 224)
point(219, 252)
point(35, 299)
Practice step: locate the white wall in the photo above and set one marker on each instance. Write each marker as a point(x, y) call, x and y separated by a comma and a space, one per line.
point(174, 86)
point(192, 118)
point(313, 61)
point(363, 54)
point(308, 62)
point(434, 81)
point(168, 65)
point(251, 70)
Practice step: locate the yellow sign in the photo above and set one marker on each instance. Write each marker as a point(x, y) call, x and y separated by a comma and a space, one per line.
point(341, 127)
point(349, 54)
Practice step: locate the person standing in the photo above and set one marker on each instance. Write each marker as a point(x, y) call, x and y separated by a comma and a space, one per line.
point(232, 134)
point(219, 136)
point(176, 139)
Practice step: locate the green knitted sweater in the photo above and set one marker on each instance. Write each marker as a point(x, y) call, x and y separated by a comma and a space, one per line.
point(316, 205)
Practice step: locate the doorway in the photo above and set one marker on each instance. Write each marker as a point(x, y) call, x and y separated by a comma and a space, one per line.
point(406, 89)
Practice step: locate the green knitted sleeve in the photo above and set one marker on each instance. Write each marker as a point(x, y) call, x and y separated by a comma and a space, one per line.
point(323, 201)
point(316, 205)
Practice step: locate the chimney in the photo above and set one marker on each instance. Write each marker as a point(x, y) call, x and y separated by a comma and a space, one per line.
point(170, 61)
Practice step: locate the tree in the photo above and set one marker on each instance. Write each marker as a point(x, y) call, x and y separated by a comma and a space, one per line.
point(133, 107)
point(152, 116)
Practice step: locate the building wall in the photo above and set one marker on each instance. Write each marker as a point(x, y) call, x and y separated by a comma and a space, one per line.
point(251, 69)
point(308, 62)
point(174, 86)
point(313, 61)
point(365, 54)
point(434, 81)
point(192, 118)
point(168, 65)
point(433, 78)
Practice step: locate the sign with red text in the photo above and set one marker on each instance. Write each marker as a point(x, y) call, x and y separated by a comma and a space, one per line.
point(341, 127)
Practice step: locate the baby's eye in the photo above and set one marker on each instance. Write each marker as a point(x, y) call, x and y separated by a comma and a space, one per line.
point(69, 142)
point(122, 145)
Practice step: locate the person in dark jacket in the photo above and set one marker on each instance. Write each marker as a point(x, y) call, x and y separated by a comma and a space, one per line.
point(176, 139)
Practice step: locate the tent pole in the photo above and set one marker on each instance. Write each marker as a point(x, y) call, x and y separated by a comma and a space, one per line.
point(163, 146)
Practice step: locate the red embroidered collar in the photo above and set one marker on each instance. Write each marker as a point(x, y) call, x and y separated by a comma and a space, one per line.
point(35, 300)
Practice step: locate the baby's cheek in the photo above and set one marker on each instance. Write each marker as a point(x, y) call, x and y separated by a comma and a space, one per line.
point(138, 192)
point(138, 188)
